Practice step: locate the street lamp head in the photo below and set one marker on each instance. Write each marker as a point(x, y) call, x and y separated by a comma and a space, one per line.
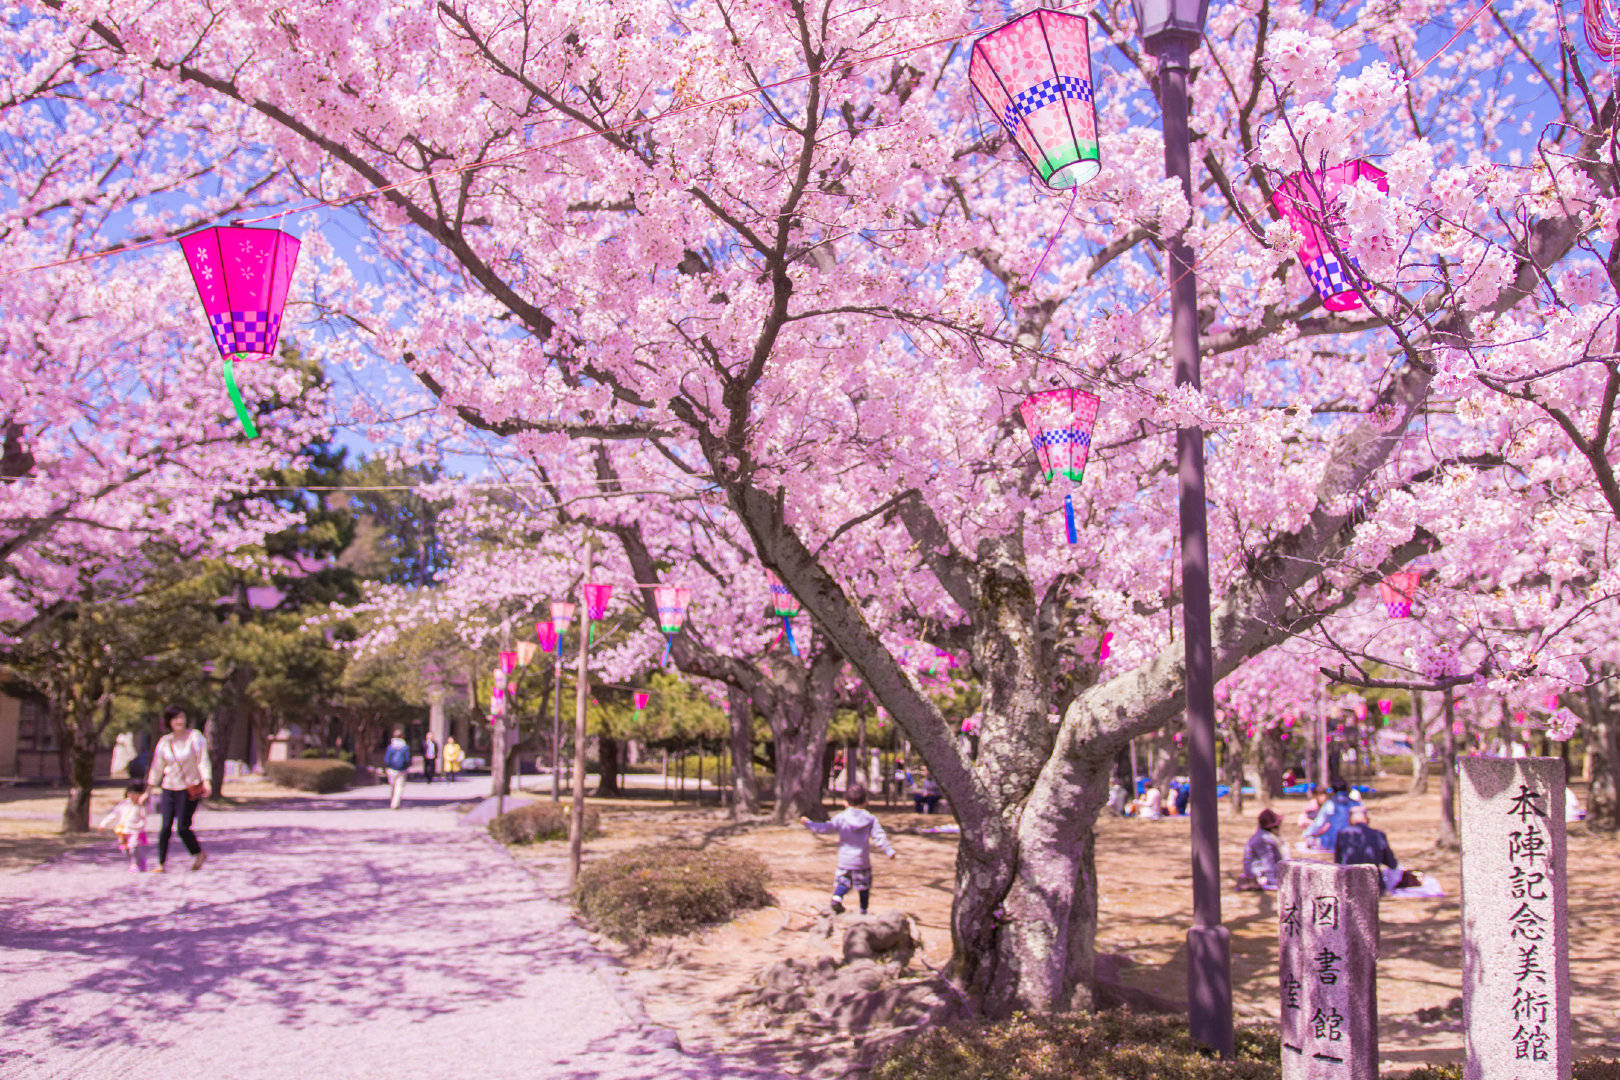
point(1171, 28)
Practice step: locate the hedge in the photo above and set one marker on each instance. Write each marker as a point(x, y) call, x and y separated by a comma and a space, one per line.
point(1110, 1046)
point(669, 889)
point(322, 775)
point(540, 821)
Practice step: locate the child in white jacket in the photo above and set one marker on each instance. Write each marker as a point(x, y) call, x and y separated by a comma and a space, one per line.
point(857, 830)
point(128, 821)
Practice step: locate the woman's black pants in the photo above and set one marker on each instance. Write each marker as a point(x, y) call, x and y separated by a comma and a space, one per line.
point(176, 804)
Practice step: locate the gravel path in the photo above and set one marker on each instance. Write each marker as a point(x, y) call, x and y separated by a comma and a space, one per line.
point(326, 937)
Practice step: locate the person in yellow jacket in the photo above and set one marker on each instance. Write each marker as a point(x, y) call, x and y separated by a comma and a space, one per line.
point(452, 757)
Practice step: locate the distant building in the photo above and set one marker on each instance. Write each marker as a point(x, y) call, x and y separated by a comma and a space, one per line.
point(29, 749)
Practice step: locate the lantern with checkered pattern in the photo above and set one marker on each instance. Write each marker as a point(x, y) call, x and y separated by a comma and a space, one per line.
point(671, 602)
point(1060, 423)
point(1398, 591)
point(784, 606)
point(1309, 201)
point(1035, 75)
point(242, 277)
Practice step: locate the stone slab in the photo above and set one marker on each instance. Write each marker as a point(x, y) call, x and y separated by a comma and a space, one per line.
point(1515, 919)
point(1327, 935)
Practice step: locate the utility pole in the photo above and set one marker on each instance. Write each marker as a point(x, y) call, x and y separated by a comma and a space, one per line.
point(556, 727)
point(576, 818)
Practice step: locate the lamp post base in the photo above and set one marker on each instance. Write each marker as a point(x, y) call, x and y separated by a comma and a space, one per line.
point(1209, 987)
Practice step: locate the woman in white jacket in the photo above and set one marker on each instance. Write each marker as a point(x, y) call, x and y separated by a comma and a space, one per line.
point(179, 774)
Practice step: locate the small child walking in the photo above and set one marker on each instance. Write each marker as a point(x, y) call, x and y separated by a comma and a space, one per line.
point(857, 830)
point(128, 821)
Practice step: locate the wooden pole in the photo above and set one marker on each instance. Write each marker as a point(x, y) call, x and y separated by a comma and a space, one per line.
point(576, 817)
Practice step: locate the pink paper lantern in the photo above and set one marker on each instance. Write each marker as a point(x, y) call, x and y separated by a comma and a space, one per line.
point(1107, 646)
point(508, 662)
point(562, 613)
point(596, 599)
point(546, 632)
point(1398, 592)
point(1520, 719)
point(1385, 705)
point(1550, 702)
point(242, 277)
point(641, 698)
point(1309, 202)
point(1034, 73)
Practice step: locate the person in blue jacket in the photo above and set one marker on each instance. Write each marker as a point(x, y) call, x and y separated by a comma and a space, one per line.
point(1333, 817)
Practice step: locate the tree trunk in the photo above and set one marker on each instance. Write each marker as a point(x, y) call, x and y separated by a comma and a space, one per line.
point(1271, 764)
point(81, 782)
point(1025, 915)
point(500, 773)
point(1420, 748)
point(1449, 837)
point(607, 770)
point(801, 741)
point(744, 788)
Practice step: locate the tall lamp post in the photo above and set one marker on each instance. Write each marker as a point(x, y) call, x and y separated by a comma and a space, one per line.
point(1171, 30)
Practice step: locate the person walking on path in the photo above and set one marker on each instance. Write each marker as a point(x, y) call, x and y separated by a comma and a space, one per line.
point(430, 758)
point(857, 830)
point(452, 757)
point(128, 821)
point(179, 772)
point(397, 760)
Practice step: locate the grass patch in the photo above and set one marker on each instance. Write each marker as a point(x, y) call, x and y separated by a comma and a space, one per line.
point(1110, 1046)
point(667, 889)
point(320, 775)
point(541, 821)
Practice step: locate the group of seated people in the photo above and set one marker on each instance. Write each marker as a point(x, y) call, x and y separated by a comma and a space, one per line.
point(1154, 802)
point(1336, 823)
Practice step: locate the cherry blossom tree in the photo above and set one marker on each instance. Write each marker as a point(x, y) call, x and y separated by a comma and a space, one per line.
point(818, 300)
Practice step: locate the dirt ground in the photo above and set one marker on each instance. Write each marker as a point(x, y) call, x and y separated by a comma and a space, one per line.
point(698, 985)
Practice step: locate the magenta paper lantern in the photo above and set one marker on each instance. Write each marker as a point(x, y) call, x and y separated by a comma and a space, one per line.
point(642, 697)
point(1034, 74)
point(1106, 647)
point(500, 682)
point(546, 632)
point(242, 277)
point(508, 662)
point(1309, 202)
point(1398, 592)
point(596, 599)
point(1384, 705)
point(1550, 702)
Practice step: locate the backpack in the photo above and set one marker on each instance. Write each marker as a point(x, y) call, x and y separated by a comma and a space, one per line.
point(398, 757)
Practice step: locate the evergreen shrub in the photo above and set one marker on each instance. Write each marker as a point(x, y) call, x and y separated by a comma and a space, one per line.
point(669, 889)
point(536, 821)
point(320, 775)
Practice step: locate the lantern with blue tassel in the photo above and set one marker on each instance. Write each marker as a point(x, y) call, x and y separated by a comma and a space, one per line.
point(671, 602)
point(1060, 424)
point(782, 603)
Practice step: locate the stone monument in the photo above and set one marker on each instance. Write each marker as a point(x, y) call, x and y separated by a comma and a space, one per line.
point(1327, 933)
point(1515, 919)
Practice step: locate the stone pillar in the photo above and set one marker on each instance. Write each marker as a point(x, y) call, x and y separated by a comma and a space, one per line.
point(1515, 919)
point(1327, 932)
